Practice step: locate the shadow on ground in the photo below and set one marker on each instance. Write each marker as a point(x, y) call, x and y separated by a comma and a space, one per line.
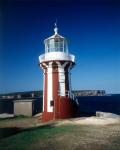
point(6, 132)
point(9, 131)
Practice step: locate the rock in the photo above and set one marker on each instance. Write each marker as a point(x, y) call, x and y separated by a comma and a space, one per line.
point(106, 115)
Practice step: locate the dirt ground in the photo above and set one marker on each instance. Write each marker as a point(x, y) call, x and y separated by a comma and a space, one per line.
point(89, 133)
point(83, 138)
point(20, 122)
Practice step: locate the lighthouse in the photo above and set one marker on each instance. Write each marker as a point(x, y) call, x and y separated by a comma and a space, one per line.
point(56, 63)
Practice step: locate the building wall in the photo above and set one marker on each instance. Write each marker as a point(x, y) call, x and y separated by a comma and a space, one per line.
point(23, 108)
point(7, 105)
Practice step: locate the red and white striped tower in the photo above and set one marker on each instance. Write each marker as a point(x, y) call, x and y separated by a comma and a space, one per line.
point(56, 63)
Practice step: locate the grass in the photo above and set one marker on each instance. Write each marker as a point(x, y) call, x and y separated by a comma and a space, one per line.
point(29, 136)
point(63, 137)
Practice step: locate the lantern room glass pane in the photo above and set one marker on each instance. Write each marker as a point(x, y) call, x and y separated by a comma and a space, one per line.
point(56, 45)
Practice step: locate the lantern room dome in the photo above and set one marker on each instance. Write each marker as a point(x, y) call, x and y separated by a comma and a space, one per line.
point(56, 43)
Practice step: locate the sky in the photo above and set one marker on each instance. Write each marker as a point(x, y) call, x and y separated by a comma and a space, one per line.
point(91, 27)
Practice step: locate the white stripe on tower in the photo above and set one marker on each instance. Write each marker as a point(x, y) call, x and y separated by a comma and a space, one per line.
point(49, 88)
point(43, 89)
point(43, 66)
point(61, 76)
point(69, 76)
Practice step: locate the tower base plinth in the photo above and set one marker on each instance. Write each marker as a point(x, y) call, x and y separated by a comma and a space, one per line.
point(47, 116)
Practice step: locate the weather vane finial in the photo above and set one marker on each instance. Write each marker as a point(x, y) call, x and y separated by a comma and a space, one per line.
point(56, 29)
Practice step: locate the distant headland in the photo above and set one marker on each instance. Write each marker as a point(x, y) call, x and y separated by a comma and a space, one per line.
point(37, 94)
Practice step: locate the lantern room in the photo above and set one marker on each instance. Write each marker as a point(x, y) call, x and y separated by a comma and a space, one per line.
point(56, 43)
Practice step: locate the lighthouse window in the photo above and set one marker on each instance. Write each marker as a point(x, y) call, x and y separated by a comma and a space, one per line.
point(61, 46)
point(51, 103)
point(51, 45)
point(56, 45)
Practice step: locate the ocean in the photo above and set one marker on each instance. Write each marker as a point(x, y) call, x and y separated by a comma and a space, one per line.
point(91, 104)
point(88, 105)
